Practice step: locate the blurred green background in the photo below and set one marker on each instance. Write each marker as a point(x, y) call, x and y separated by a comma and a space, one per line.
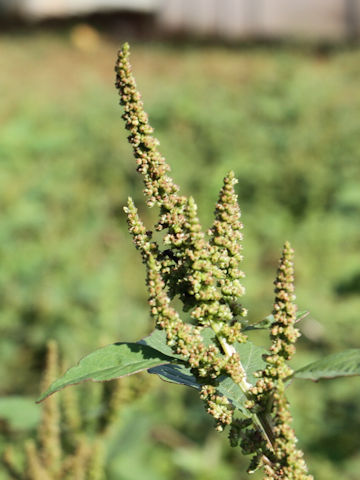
point(285, 118)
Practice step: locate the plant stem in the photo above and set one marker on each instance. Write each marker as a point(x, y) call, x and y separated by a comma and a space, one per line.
point(261, 420)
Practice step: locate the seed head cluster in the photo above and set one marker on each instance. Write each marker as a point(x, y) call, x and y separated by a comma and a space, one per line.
point(202, 270)
point(199, 269)
point(267, 397)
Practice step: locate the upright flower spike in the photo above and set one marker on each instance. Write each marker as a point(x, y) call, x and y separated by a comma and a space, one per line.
point(72, 421)
point(175, 210)
point(199, 281)
point(97, 462)
point(49, 428)
point(283, 332)
point(165, 316)
point(205, 275)
point(158, 186)
point(269, 393)
point(186, 268)
point(225, 239)
point(34, 467)
point(138, 231)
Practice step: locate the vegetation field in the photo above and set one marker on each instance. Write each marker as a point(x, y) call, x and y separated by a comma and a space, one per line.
point(284, 118)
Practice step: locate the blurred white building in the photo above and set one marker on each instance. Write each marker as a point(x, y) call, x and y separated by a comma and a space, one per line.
point(328, 19)
point(232, 19)
point(60, 8)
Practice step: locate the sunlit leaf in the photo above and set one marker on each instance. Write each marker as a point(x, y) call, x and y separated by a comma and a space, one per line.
point(157, 340)
point(110, 362)
point(251, 357)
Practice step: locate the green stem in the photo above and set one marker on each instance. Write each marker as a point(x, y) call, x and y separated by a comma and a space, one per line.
point(261, 420)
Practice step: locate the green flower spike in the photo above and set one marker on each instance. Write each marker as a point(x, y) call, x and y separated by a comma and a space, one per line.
point(205, 343)
point(204, 273)
point(269, 393)
point(190, 267)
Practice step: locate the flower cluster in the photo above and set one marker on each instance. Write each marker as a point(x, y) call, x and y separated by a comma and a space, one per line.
point(268, 395)
point(226, 239)
point(201, 270)
point(159, 187)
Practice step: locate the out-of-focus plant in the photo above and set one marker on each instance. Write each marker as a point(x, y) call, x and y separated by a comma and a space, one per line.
point(71, 439)
point(207, 346)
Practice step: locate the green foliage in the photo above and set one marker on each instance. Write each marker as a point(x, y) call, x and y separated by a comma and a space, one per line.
point(122, 359)
point(71, 440)
point(251, 355)
point(285, 119)
point(20, 413)
point(204, 273)
point(343, 364)
point(109, 363)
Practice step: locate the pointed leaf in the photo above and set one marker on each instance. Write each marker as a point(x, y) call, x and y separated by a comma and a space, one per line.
point(343, 364)
point(262, 325)
point(301, 315)
point(176, 374)
point(157, 341)
point(110, 362)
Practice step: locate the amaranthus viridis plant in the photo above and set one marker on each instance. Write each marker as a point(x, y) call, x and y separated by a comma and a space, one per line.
point(205, 346)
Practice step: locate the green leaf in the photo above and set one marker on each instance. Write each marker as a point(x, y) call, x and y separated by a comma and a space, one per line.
point(343, 364)
point(251, 359)
point(301, 315)
point(110, 362)
point(262, 325)
point(208, 336)
point(157, 341)
point(176, 374)
point(20, 412)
